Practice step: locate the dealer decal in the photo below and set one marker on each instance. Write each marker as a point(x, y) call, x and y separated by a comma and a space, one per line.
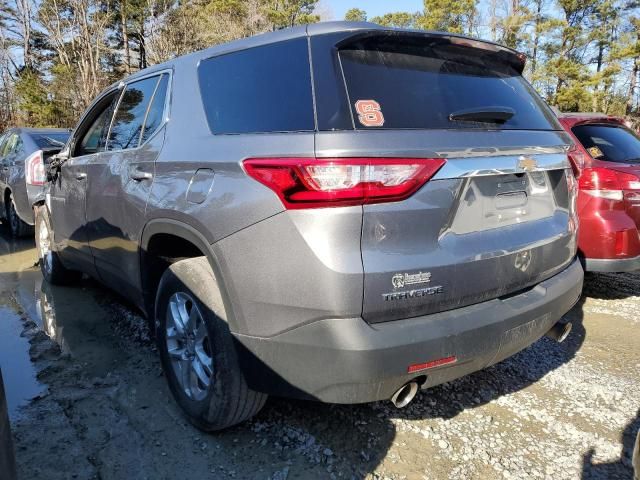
point(595, 152)
point(369, 113)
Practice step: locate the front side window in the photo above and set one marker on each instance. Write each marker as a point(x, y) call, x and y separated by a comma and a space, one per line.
point(259, 90)
point(94, 137)
point(611, 143)
point(10, 147)
point(128, 122)
point(5, 148)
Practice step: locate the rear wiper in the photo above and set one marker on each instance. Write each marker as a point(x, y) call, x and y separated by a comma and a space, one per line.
point(483, 114)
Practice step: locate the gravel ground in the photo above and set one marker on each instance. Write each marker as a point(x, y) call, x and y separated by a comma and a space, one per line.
point(554, 411)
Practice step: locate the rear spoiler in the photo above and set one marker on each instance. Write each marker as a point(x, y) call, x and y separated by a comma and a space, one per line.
point(517, 60)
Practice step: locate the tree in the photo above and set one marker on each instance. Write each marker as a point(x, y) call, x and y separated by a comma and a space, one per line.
point(33, 102)
point(77, 34)
point(397, 19)
point(355, 15)
point(455, 16)
point(287, 13)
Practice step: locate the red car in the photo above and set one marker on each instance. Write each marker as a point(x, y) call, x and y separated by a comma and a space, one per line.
point(606, 158)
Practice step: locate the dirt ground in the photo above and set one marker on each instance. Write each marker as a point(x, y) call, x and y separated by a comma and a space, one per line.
point(88, 401)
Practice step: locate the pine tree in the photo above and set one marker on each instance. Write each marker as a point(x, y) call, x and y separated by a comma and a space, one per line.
point(355, 15)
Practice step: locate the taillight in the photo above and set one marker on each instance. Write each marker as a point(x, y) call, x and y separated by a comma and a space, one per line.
point(34, 168)
point(333, 182)
point(578, 159)
point(605, 183)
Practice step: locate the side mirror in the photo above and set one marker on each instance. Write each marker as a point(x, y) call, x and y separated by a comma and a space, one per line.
point(55, 162)
point(60, 157)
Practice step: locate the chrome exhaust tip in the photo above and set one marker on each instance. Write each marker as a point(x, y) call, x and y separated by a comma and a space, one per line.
point(405, 395)
point(560, 331)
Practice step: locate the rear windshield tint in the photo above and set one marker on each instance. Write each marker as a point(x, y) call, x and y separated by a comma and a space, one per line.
point(611, 143)
point(413, 84)
point(262, 89)
point(51, 140)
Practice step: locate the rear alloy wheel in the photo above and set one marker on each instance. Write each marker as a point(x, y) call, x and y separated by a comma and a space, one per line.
point(188, 346)
point(17, 226)
point(52, 269)
point(197, 350)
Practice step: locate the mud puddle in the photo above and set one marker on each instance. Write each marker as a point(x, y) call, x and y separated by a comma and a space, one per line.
point(19, 373)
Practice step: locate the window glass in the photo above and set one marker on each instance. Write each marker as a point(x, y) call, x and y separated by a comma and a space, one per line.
point(407, 83)
point(156, 111)
point(3, 141)
point(8, 144)
point(128, 121)
point(11, 148)
point(611, 143)
point(93, 140)
point(262, 89)
point(51, 140)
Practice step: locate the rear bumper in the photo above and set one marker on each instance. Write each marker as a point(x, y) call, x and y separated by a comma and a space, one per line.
point(614, 265)
point(351, 361)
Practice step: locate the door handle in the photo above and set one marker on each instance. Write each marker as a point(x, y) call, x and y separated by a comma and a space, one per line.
point(139, 175)
point(81, 176)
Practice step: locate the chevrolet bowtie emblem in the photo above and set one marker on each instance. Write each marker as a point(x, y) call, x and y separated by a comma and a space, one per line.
point(527, 164)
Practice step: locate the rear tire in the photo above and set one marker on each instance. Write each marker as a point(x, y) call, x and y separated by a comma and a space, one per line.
point(197, 351)
point(17, 226)
point(52, 268)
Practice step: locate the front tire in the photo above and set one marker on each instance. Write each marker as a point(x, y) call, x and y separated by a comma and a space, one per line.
point(197, 351)
point(52, 268)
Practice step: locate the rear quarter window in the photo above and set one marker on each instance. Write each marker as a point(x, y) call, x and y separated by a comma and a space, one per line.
point(418, 84)
point(611, 143)
point(259, 90)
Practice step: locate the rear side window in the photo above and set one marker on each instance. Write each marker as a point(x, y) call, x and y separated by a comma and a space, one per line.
point(128, 122)
point(410, 83)
point(156, 110)
point(262, 89)
point(51, 140)
point(611, 143)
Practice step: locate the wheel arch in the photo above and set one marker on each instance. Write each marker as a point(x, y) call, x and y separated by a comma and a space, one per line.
point(149, 280)
point(6, 198)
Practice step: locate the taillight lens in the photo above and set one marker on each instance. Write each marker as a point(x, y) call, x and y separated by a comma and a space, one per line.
point(605, 183)
point(34, 168)
point(578, 159)
point(572, 187)
point(333, 182)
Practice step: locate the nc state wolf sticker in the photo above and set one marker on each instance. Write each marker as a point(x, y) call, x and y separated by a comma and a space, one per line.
point(369, 113)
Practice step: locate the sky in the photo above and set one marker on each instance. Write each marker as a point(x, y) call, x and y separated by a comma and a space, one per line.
point(335, 9)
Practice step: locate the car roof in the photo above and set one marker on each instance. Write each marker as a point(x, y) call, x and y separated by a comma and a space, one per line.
point(311, 30)
point(38, 131)
point(573, 118)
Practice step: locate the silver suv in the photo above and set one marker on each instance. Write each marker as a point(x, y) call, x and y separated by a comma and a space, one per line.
point(338, 212)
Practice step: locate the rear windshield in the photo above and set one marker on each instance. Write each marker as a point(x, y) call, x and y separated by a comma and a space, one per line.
point(611, 143)
point(259, 90)
point(51, 140)
point(414, 84)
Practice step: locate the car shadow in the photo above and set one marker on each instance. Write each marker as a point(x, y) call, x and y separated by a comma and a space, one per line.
point(621, 468)
point(611, 286)
point(361, 435)
point(10, 245)
point(355, 439)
